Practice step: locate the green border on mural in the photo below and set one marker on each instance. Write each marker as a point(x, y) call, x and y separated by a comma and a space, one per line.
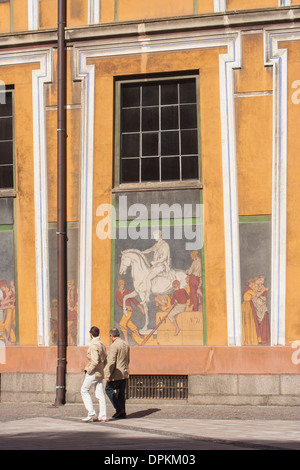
point(112, 283)
point(116, 10)
point(245, 219)
point(195, 7)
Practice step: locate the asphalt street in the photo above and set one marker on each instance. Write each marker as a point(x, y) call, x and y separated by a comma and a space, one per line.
point(150, 429)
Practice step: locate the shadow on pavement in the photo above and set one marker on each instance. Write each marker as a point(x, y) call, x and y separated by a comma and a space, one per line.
point(112, 443)
point(143, 413)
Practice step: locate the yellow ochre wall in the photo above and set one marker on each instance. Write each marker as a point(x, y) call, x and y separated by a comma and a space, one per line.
point(254, 108)
point(73, 143)
point(254, 113)
point(14, 13)
point(293, 192)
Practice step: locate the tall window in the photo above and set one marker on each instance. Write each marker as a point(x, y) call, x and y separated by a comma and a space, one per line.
point(158, 131)
point(6, 138)
point(8, 284)
point(157, 198)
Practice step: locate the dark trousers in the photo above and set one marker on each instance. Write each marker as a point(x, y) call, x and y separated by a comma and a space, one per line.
point(115, 390)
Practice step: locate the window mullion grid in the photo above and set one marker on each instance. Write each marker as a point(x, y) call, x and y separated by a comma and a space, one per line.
point(179, 134)
point(141, 135)
point(159, 130)
point(9, 119)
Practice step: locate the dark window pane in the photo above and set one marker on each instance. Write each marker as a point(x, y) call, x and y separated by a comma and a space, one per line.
point(130, 171)
point(131, 120)
point(169, 117)
point(6, 177)
point(189, 142)
point(6, 152)
point(7, 268)
point(170, 143)
point(5, 128)
point(169, 93)
point(5, 104)
point(159, 139)
point(189, 167)
point(130, 145)
point(6, 211)
point(150, 119)
point(170, 169)
point(150, 169)
point(130, 95)
point(150, 144)
point(188, 91)
point(150, 94)
point(188, 116)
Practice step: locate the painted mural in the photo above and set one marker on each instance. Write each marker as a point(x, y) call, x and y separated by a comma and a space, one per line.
point(7, 312)
point(158, 292)
point(255, 253)
point(255, 315)
point(8, 321)
point(72, 288)
point(72, 315)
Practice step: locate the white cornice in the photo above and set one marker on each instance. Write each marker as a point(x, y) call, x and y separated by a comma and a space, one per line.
point(241, 19)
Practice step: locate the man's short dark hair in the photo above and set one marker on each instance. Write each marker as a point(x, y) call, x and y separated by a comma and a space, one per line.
point(95, 331)
point(114, 332)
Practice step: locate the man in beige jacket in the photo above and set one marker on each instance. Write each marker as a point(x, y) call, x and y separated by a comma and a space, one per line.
point(94, 375)
point(117, 372)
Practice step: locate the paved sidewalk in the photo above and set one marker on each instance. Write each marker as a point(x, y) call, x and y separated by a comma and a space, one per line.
point(150, 427)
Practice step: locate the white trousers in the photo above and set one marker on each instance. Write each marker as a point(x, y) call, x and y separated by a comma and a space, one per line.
point(88, 382)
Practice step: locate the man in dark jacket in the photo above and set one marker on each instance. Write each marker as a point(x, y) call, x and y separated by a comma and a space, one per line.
point(116, 373)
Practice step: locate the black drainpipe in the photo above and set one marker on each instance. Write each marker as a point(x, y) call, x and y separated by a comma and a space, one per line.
point(61, 209)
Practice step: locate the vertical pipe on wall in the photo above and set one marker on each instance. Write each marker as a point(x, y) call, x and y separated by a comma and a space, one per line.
point(61, 208)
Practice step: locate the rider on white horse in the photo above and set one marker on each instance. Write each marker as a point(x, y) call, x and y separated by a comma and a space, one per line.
point(161, 259)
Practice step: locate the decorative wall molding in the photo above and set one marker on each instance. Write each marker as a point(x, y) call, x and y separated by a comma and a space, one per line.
point(39, 77)
point(229, 62)
point(33, 13)
point(86, 73)
point(284, 3)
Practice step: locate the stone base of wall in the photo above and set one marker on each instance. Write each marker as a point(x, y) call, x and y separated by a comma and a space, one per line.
point(250, 390)
point(275, 390)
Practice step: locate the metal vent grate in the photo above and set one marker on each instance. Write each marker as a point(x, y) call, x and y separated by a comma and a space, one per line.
point(172, 387)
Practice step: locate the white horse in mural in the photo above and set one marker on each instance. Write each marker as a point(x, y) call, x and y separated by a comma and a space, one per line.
point(160, 285)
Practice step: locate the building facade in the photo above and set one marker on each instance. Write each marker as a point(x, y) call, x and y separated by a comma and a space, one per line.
point(182, 193)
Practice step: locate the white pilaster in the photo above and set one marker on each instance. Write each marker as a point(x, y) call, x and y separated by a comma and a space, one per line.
point(94, 12)
point(33, 14)
point(219, 6)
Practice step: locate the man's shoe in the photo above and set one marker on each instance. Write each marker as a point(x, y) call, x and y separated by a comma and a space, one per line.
point(89, 419)
point(120, 415)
